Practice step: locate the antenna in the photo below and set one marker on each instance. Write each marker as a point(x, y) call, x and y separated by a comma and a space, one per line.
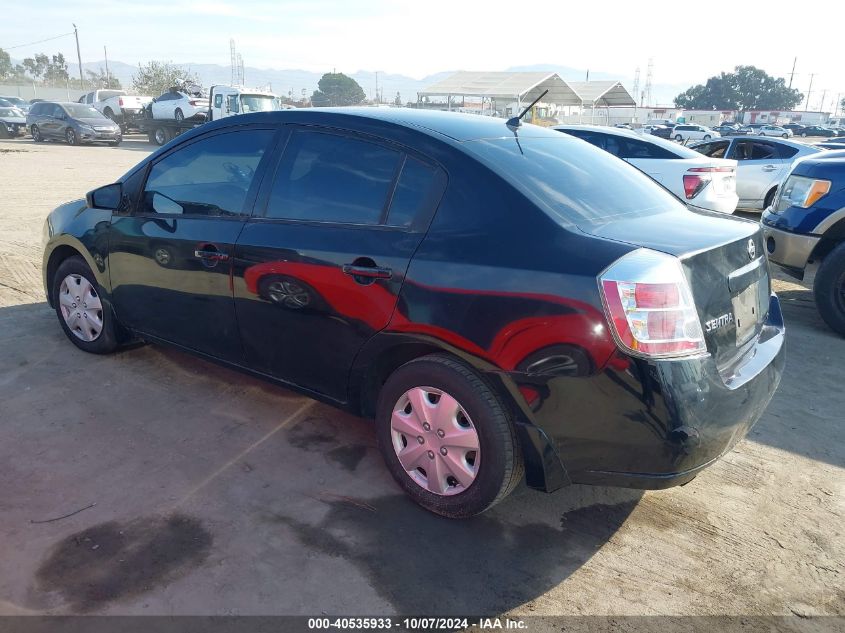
point(234, 61)
point(517, 120)
point(240, 71)
point(636, 90)
point(648, 78)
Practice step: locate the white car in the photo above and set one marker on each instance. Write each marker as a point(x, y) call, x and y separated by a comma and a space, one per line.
point(700, 182)
point(774, 130)
point(762, 164)
point(179, 105)
point(685, 132)
point(116, 104)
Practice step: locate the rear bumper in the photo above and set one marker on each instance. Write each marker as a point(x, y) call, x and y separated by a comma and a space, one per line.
point(655, 424)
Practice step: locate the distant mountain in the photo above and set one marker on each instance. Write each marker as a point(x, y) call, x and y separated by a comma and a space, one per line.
point(294, 81)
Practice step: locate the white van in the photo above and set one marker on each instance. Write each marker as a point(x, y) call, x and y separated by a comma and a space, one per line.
point(232, 100)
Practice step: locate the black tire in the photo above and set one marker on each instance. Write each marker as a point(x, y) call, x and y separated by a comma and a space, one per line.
point(107, 340)
point(179, 115)
point(70, 137)
point(500, 467)
point(159, 136)
point(679, 138)
point(829, 289)
point(785, 135)
point(706, 137)
point(36, 134)
point(767, 201)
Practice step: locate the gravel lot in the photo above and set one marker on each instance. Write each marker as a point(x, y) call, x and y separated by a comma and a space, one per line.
point(219, 494)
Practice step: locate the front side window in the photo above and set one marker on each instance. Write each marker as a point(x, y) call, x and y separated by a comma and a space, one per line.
point(209, 177)
point(332, 178)
point(232, 102)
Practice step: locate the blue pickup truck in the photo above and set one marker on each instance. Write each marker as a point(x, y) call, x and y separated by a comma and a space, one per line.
point(806, 224)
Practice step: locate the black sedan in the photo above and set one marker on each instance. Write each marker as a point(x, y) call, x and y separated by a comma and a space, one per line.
point(499, 298)
point(816, 130)
point(731, 130)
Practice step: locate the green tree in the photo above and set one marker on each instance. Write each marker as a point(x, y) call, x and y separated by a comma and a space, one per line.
point(747, 88)
point(336, 89)
point(6, 68)
point(157, 77)
point(99, 80)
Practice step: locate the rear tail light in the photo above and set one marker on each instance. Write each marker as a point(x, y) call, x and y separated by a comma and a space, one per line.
point(193, 103)
point(120, 101)
point(650, 307)
point(694, 182)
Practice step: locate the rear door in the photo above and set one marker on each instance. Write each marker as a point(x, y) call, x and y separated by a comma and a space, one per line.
point(759, 168)
point(170, 255)
point(318, 272)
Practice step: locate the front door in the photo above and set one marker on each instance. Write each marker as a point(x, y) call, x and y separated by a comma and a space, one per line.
point(170, 257)
point(320, 271)
point(759, 168)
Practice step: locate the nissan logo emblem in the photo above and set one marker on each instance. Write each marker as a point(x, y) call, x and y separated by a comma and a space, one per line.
point(752, 249)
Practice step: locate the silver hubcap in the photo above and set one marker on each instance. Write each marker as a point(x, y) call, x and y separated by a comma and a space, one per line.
point(81, 308)
point(435, 441)
point(160, 137)
point(288, 293)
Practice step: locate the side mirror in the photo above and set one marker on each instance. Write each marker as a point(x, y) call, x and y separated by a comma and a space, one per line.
point(108, 197)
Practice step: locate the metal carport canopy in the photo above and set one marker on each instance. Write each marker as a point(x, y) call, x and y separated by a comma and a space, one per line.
point(607, 93)
point(518, 86)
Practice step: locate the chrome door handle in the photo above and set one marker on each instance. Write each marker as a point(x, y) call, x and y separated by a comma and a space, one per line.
point(769, 167)
point(216, 256)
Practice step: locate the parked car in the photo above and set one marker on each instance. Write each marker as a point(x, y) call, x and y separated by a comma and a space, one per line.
point(180, 104)
point(817, 130)
point(693, 133)
point(753, 128)
point(625, 126)
point(482, 341)
point(12, 122)
point(730, 130)
point(16, 102)
point(699, 182)
point(117, 105)
point(74, 123)
point(837, 142)
point(795, 127)
point(774, 130)
point(806, 224)
point(762, 164)
point(660, 131)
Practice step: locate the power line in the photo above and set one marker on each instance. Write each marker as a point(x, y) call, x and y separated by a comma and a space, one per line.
point(49, 39)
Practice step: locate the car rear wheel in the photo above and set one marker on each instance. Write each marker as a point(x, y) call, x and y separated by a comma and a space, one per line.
point(70, 137)
point(159, 136)
point(36, 134)
point(829, 289)
point(706, 137)
point(179, 115)
point(446, 437)
point(85, 319)
point(785, 135)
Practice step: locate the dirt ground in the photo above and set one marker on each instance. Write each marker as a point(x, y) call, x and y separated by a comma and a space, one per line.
point(209, 492)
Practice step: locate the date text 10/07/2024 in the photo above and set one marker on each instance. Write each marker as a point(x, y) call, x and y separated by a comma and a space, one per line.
point(414, 623)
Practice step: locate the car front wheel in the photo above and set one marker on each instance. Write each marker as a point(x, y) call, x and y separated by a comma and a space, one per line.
point(829, 289)
point(86, 321)
point(446, 437)
point(36, 134)
point(70, 137)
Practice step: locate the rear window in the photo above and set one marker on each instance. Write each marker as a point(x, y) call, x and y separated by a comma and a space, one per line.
point(575, 181)
point(108, 94)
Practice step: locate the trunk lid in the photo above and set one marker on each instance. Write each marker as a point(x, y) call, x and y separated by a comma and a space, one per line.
point(725, 264)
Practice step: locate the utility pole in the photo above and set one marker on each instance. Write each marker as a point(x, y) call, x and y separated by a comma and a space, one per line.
point(378, 100)
point(78, 58)
point(108, 78)
point(809, 92)
point(792, 74)
point(824, 94)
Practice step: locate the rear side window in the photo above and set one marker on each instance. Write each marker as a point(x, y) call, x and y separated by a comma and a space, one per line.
point(327, 177)
point(787, 151)
point(714, 149)
point(210, 177)
point(574, 181)
point(413, 192)
point(754, 150)
point(632, 148)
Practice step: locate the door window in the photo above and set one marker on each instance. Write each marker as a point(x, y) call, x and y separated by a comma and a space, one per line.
point(754, 150)
point(218, 101)
point(713, 149)
point(209, 177)
point(327, 177)
point(232, 102)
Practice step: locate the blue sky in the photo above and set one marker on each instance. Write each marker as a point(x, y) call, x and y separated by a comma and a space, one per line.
point(427, 36)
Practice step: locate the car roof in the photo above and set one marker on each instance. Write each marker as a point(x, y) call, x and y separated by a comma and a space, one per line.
point(766, 139)
point(681, 150)
point(453, 125)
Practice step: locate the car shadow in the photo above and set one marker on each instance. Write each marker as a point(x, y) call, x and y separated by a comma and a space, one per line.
point(411, 559)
